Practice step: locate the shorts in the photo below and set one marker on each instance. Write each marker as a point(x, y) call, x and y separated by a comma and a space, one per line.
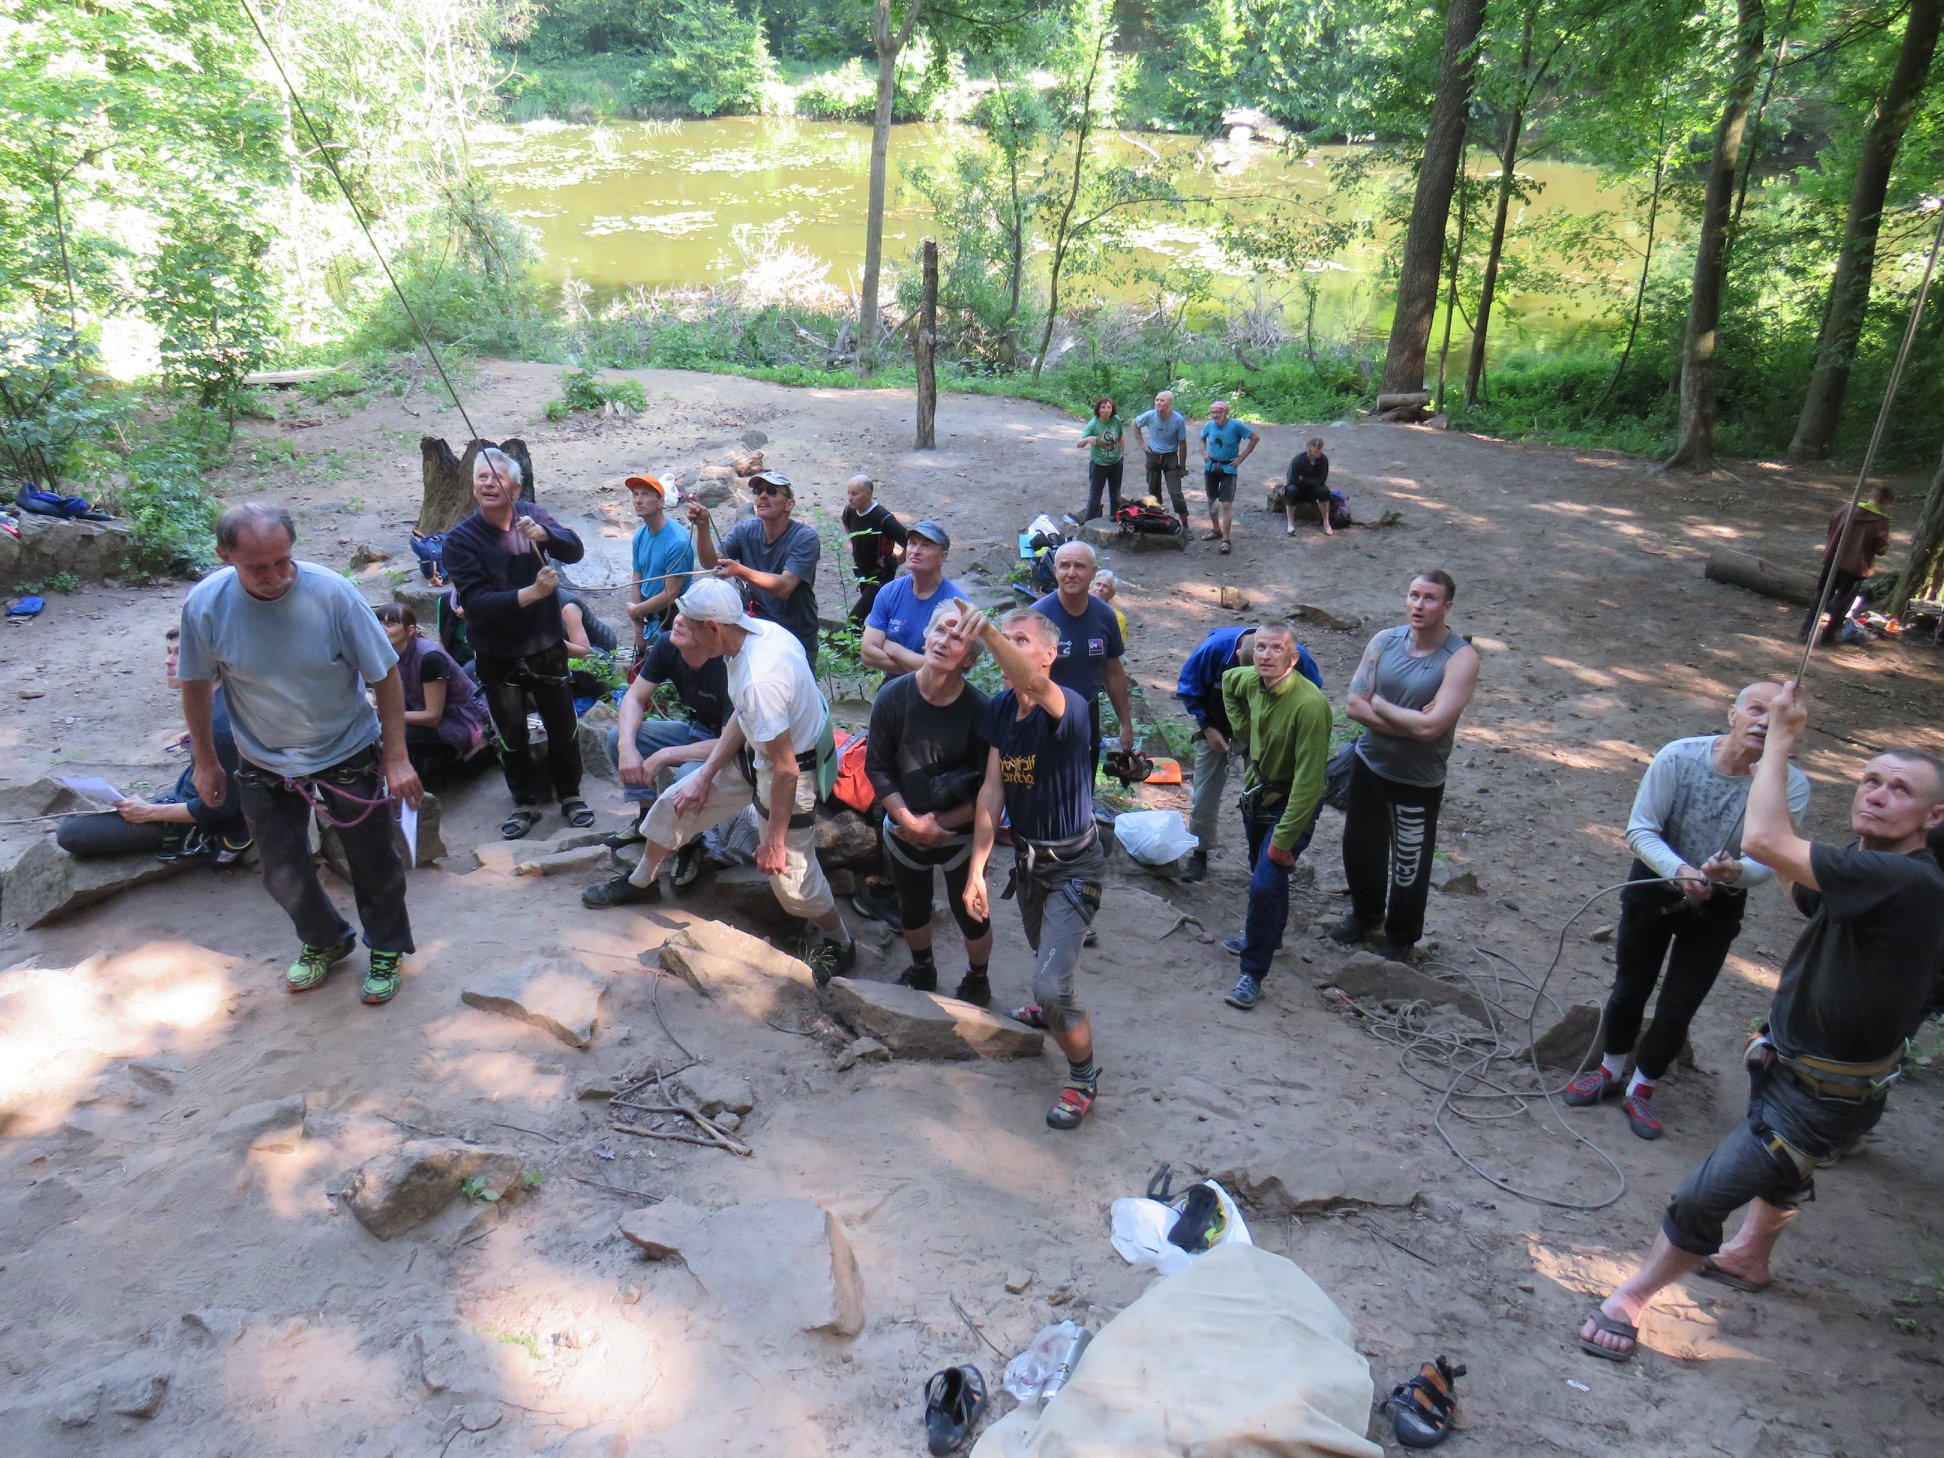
point(1220, 485)
point(1057, 902)
point(1755, 1161)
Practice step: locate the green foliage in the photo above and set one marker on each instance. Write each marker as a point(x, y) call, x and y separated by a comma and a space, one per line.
point(207, 291)
point(54, 404)
point(584, 390)
point(706, 59)
point(923, 80)
point(474, 1188)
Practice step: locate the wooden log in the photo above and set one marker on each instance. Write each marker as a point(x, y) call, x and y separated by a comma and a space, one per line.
point(1744, 569)
point(284, 379)
point(1403, 398)
point(924, 349)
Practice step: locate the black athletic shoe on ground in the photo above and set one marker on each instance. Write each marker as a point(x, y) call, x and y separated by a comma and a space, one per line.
point(1352, 928)
point(923, 979)
point(975, 989)
point(620, 892)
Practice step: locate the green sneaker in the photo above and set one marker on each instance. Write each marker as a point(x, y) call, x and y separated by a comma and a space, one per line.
point(381, 979)
point(314, 964)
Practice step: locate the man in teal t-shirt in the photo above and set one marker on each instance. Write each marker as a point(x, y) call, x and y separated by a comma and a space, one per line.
point(663, 559)
point(1226, 443)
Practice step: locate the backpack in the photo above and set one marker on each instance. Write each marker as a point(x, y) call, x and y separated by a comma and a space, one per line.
point(853, 787)
point(1147, 520)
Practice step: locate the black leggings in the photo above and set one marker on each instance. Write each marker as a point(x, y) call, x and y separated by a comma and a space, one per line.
point(1659, 923)
point(914, 887)
point(1390, 832)
point(1103, 482)
point(507, 683)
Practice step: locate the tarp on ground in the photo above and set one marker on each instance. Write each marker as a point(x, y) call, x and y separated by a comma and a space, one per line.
point(1241, 1355)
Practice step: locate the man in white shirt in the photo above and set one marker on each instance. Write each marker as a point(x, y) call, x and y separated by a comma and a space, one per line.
point(779, 741)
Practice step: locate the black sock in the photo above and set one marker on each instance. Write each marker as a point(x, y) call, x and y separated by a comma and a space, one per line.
point(974, 969)
point(923, 961)
point(1081, 1074)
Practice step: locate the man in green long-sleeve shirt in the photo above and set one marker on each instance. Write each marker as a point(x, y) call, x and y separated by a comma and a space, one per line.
point(1281, 722)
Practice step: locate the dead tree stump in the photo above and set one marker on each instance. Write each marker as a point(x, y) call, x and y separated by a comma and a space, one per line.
point(448, 497)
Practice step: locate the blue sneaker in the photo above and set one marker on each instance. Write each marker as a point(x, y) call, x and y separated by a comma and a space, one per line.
point(1246, 993)
point(1232, 945)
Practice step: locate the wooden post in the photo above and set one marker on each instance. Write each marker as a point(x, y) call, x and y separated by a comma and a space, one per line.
point(924, 349)
point(447, 478)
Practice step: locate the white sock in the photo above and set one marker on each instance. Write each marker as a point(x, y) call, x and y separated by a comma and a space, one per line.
point(1615, 1064)
point(1637, 1084)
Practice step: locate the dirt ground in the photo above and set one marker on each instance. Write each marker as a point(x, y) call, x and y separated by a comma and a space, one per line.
point(123, 1206)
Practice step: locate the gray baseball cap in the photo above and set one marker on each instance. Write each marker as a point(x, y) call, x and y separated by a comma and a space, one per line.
point(932, 531)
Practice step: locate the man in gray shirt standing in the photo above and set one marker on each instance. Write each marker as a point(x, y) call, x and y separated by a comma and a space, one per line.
point(294, 645)
point(1161, 435)
point(1686, 827)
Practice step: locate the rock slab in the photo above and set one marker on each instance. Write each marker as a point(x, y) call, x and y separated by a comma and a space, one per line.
point(660, 1230)
point(407, 1186)
point(1373, 979)
point(914, 1024)
point(785, 1261)
point(271, 1127)
point(1568, 1044)
point(716, 1090)
point(47, 884)
point(555, 997)
point(1301, 1180)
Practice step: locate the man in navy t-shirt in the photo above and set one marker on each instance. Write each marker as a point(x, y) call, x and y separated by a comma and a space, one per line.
point(1039, 773)
point(1090, 642)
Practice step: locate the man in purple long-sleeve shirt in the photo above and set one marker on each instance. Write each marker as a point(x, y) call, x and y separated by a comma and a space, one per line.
point(498, 561)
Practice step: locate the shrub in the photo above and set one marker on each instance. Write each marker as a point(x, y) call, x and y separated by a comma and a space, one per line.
point(708, 60)
point(584, 390)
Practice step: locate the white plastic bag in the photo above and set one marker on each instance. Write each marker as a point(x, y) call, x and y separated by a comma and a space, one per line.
point(1141, 1226)
point(1043, 1368)
point(1153, 837)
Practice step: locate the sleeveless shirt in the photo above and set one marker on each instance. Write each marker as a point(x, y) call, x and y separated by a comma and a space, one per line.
point(1409, 683)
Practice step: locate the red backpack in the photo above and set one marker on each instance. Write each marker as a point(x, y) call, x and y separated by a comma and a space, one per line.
point(1148, 520)
point(853, 787)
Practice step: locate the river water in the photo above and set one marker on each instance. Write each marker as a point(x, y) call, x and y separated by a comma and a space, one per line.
point(674, 204)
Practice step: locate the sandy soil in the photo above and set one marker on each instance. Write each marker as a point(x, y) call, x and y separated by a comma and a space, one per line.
point(122, 1207)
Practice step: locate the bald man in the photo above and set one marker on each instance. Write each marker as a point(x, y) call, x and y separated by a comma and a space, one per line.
point(1686, 826)
point(1090, 641)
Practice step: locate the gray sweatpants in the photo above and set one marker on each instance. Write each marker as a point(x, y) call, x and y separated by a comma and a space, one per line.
point(1211, 778)
point(1057, 902)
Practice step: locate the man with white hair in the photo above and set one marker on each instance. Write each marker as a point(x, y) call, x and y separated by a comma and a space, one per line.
point(1161, 435)
point(778, 739)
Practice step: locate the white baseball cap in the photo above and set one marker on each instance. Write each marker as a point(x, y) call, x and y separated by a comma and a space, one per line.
point(711, 600)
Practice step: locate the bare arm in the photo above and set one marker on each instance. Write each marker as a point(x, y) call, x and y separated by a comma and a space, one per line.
point(199, 712)
point(1118, 696)
point(1428, 723)
point(1032, 685)
point(573, 623)
point(985, 830)
point(704, 524)
point(1255, 439)
point(1363, 683)
point(1768, 833)
point(400, 777)
point(434, 710)
point(784, 774)
point(1140, 438)
point(776, 584)
point(879, 652)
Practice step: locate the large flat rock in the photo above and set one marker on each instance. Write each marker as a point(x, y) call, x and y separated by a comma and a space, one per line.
point(554, 996)
point(786, 1264)
point(405, 1187)
point(736, 969)
point(47, 884)
point(1368, 977)
point(1302, 1179)
point(661, 1231)
point(914, 1024)
point(431, 846)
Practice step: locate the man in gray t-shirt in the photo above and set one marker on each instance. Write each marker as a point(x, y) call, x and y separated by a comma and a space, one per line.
point(776, 556)
point(1161, 435)
point(1686, 826)
point(294, 646)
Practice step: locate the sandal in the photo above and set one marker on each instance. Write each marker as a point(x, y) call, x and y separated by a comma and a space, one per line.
point(954, 1399)
point(1072, 1105)
point(1226, 547)
point(1289, 531)
point(1030, 1015)
point(1211, 536)
point(1424, 1405)
point(516, 825)
point(577, 812)
point(1612, 1327)
point(1713, 1272)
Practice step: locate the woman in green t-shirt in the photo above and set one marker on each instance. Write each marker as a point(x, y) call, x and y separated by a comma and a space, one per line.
point(1102, 438)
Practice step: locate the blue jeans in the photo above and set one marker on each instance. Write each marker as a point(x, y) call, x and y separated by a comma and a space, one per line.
point(657, 734)
point(1262, 929)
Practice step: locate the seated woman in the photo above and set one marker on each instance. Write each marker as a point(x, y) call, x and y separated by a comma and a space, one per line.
point(446, 718)
point(179, 824)
point(586, 634)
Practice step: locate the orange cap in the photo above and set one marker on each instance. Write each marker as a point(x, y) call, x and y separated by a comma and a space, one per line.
point(650, 481)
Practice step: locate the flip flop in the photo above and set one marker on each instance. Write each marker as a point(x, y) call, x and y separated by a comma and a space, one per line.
point(1612, 1327)
point(1713, 1272)
point(1225, 548)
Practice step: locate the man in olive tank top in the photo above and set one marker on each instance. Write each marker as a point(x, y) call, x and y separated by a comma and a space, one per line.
point(1413, 683)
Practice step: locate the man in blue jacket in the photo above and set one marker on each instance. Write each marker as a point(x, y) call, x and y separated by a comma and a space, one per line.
point(1200, 691)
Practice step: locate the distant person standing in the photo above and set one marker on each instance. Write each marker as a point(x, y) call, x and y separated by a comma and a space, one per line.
point(1686, 826)
point(1308, 480)
point(1102, 439)
point(502, 578)
point(1856, 537)
point(1090, 654)
point(1161, 436)
point(877, 541)
point(775, 556)
point(293, 647)
point(901, 615)
point(1226, 443)
point(1413, 683)
point(663, 559)
point(1200, 692)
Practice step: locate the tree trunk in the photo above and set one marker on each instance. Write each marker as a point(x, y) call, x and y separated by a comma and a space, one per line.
point(447, 499)
point(1508, 167)
point(1451, 293)
point(1646, 262)
point(1745, 569)
point(1751, 153)
point(925, 345)
point(1444, 147)
point(887, 46)
point(1062, 235)
point(1926, 549)
point(1695, 449)
point(1849, 291)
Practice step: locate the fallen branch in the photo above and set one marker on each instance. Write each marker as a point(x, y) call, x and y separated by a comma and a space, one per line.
point(734, 1146)
point(618, 1189)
